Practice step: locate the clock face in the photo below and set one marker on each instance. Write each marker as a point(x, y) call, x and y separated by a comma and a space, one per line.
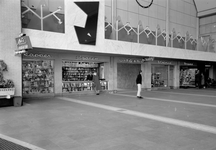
point(144, 3)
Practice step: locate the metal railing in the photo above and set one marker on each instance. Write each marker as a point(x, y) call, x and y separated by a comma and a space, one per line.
point(188, 41)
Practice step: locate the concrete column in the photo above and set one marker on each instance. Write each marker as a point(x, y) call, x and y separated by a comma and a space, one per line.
point(167, 23)
point(211, 72)
point(10, 28)
point(58, 76)
point(197, 33)
point(168, 76)
point(113, 74)
point(106, 70)
point(146, 74)
point(176, 75)
point(114, 17)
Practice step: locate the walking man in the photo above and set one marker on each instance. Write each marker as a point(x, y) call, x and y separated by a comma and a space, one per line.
point(139, 84)
point(97, 85)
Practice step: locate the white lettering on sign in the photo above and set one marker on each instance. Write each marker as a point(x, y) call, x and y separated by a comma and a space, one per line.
point(21, 41)
point(148, 59)
point(86, 58)
point(131, 60)
point(128, 60)
point(22, 47)
point(164, 62)
point(37, 55)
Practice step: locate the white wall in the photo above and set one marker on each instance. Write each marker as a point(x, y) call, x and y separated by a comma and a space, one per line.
point(68, 40)
point(135, 49)
point(10, 28)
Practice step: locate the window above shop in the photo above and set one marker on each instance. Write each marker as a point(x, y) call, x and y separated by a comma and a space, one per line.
point(45, 15)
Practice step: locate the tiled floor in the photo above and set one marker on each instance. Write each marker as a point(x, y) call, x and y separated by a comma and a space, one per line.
point(56, 124)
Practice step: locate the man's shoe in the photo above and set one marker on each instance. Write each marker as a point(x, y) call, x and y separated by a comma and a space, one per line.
point(140, 97)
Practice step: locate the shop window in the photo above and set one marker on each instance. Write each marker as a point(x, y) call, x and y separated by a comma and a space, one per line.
point(46, 15)
point(76, 76)
point(38, 76)
point(159, 77)
point(187, 77)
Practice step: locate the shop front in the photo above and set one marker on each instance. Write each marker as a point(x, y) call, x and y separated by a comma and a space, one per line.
point(162, 74)
point(157, 73)
point(46, 73)
point(37, 74)
point(77, 75)
point(189, 74)
point(128, 69)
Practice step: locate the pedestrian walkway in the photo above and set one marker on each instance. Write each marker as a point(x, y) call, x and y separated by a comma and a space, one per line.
point(191, 125)
point(163, 120)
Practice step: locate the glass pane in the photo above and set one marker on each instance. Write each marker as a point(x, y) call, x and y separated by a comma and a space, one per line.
point(46, 15)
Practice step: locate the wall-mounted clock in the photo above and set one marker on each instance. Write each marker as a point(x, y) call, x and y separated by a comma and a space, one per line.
point(144, 3)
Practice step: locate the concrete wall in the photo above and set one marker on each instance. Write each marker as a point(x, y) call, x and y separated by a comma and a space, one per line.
point(10, 28)
point(68, 40)
point(135, 49)
point(146, 68)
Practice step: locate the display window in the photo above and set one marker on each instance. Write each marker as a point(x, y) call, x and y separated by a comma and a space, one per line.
point(159, 76)
point(77, 76)
point(187, 76)
point(38, 76)
point(77, 71)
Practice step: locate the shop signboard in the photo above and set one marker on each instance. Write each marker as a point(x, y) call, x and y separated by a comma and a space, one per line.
point(185, 63)
point(37, 55)
point(23, 43)
point(136, 60)
point(162, 61)
point(86, 58)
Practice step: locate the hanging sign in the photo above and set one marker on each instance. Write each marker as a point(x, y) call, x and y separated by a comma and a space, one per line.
point(23, 43)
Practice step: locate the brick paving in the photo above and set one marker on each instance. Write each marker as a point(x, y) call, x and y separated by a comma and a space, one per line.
point(7, 145)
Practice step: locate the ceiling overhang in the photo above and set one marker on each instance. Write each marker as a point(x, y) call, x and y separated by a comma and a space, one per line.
point(205, 7)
